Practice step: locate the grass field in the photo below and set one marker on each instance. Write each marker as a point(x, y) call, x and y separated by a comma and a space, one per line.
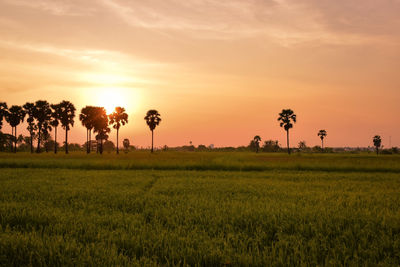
point(205, 209)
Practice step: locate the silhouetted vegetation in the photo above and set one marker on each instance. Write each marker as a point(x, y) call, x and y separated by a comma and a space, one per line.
point(118, 118)
point(377, 143)
point(152, 119)
point(322, 134)
point(286, 117)
point(14, 117)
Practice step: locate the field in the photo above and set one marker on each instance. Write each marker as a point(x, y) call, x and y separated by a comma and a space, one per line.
point(205, 209)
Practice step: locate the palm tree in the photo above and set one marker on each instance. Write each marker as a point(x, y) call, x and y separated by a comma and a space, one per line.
point(100, 126)
point(152, 119)
point(3, 112)
point(67, 115)
point(15, 116)
point(322, 134)
point(87, 117)
point(257, 140)
point(30, 110)
point(43, 118)
point(56, 116)
point(118, 118)
point(377, 143)
point(286, 117)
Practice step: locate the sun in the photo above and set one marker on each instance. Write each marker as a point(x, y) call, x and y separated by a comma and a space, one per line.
point(112, 97)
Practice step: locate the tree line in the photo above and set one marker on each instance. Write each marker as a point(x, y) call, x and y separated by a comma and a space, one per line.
point(43, 117)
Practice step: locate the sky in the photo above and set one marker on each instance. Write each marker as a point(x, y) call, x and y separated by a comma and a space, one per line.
point(218, 71)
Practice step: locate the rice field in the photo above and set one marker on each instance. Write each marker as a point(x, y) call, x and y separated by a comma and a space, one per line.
point(199, 209)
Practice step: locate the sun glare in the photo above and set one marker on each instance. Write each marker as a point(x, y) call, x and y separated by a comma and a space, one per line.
point(112, 97)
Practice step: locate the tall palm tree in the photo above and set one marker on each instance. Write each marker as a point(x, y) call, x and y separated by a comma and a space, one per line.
point(87, 118)
point(100, 126)
point(286, 117)
point(257, 140)
point(43, 118)
point(118, 118)
point(377, 143)
point(322, 134)
point(3, 112)
point(15, 116)
point(55, 121)
point(152, 119)
point(67, 115)
point(30, 111)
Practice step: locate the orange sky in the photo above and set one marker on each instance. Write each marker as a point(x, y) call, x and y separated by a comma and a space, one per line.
point(218, 71)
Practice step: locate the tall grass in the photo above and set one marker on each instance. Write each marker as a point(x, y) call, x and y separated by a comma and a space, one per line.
point(203, 161)
point(58, 217)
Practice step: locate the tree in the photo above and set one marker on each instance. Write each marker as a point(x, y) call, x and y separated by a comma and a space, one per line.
point(377, 143)
point(108, 146)
point(100, 126)
point(3, 112)
point(302, 146)
point(257, 140)
point(15, 116)
point(87, 117)
point(118, 118)
point(126, 144)
point(43, 118)
point(271, 146)
point(55, 121)
point(286, 117)
point(67, 115)
point(30, 110)
point(152, 119)
point(322, 134)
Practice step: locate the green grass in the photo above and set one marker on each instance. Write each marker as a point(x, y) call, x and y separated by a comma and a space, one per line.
point(68, 210)
point(205, 161)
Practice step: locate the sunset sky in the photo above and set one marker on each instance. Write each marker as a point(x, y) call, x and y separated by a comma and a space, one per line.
point(218, 71)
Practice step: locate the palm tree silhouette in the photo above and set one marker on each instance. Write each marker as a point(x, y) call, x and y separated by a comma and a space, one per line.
point(56, 116)
point(257, 140)
point(377, 143)
point(15, 116)
point(43, 118)
point(286, 117)
point(152, 119)
point(87, 116)
point(30, 110)
point(3, 112)
point(67, 115)
point(100, 125)
point(118, 118)
point(322, 134)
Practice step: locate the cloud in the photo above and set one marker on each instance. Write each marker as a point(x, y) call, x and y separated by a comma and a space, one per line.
point(59, 8)
point(286, 22)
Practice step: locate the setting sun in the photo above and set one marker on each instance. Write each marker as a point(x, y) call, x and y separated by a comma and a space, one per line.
point(112, 97)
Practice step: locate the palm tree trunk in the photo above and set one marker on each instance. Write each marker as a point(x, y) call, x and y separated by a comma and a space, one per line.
point(55, 140)
point(287, 141)
point(31, 142)
point(38, 144)
point(12, 141)
point(101, 146)
point(152, 140)
point(66, 140)
point(87, 141)
point(15, 132)
point(117, 141)
point(90, 140)
point(322, 144)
